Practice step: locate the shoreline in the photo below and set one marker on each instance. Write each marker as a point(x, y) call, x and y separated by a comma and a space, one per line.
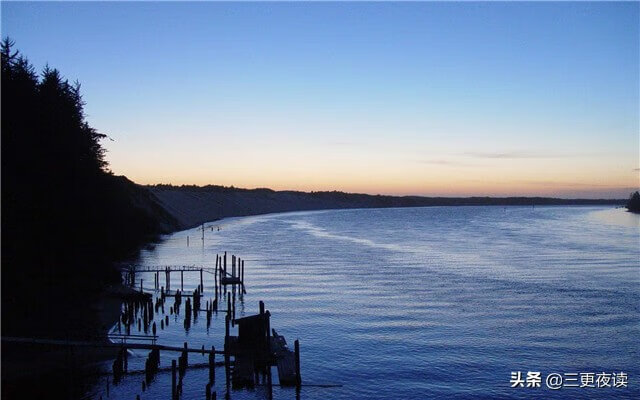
point(191, 206)
point(198, 225)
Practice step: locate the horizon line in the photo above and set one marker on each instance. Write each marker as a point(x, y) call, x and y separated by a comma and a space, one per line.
point(493, 196)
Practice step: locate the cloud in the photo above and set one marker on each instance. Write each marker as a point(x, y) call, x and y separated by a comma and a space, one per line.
point(511, 155)
point(515, 154)
point(451, 163)
point(569, 184)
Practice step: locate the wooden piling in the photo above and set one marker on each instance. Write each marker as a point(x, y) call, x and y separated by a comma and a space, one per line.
point(173, 380)
point(297, 360)
point(181, 280)
point(269, 383)
point(226, 336)
point(186, 355)
point(201, 281)
point(212, 365)
point(227, 361)
point(268, 330)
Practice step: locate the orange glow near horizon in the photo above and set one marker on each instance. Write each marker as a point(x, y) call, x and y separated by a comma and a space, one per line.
point(383, 173)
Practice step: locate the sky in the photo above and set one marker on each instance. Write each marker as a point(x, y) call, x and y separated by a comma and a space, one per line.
point(447, 99)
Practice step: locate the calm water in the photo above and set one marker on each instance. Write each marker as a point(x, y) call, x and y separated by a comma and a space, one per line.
point(419, 303)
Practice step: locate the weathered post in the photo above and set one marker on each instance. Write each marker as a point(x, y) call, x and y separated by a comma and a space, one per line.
point(297, 361)
point(233, 306)
point(140, 285)
point(212, 365)
point(186, 355)
point(261, 307)
point(226, 336)
point(201, 281)
point(269, 382)
point(227, 364)
point(187, 241)
point(182, 280)
point(173, 379)
point(268, 330)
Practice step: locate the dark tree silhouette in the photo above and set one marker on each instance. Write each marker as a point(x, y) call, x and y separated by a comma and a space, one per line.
point(633, 204)
point(65, 216)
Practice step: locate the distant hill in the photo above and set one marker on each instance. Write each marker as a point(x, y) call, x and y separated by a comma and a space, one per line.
point(193, 205)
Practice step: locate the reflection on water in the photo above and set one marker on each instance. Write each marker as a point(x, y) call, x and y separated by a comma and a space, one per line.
point(618, 216)
point(440, 302)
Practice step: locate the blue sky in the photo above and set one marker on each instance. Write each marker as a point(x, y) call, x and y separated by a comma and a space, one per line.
point(411, 98)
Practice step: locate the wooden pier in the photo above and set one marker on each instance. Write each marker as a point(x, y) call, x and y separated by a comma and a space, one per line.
point(224, 274)
point(247, 356)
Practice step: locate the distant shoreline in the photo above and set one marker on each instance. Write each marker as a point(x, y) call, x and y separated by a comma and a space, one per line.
point(191, 206)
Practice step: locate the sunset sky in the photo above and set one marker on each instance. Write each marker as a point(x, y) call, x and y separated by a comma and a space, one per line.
point(412, 98)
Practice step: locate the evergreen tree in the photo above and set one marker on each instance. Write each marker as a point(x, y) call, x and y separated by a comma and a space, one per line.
point(633, 204)
point(65, 216)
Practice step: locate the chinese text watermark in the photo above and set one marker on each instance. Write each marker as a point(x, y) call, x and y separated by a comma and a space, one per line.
point(555, 381)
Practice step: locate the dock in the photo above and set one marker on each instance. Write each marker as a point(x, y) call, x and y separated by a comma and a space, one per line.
point(256, 350)
point(247, 357)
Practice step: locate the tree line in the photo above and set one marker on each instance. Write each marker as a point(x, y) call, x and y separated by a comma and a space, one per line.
point(65, 216)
